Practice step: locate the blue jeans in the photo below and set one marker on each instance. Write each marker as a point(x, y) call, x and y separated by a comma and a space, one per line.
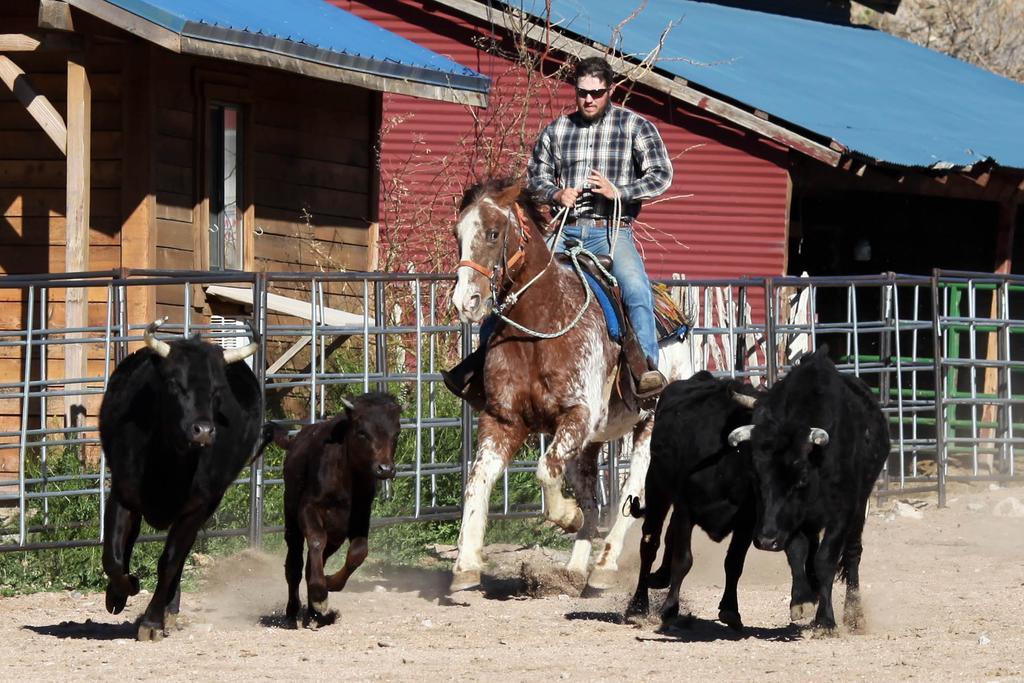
point(628, 269)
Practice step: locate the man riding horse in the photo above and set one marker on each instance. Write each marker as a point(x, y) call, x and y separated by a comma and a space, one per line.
point(598, 163)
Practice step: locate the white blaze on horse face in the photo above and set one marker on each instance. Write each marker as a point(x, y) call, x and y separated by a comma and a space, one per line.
point(472, 291)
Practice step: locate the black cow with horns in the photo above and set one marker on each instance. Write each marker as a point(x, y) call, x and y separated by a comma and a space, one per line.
point(178, 422)
point(708, 483)
point(818, 442)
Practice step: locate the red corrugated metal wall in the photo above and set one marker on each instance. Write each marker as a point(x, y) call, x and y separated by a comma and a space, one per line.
point(725, 215)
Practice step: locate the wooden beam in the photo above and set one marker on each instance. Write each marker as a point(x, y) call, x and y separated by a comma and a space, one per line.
point(39, 42)
point(132, 23)
point(76, 254)
point(37, 105)
point(55, 14)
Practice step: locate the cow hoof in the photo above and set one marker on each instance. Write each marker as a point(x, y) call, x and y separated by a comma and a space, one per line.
point(134, 581)
point(464, 580)
point(149, 633)
point(801, 611)
point(824, 631)
point(171, 621)
point(731, 618)
point(320, 607)
point(602, 579)
point(853, 618)
point(318, 618)
point(637, 609)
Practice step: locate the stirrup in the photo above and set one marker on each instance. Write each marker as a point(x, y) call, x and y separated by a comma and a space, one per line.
point(650, 385)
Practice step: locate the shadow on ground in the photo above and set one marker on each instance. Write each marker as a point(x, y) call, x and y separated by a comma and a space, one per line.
point(87, 630)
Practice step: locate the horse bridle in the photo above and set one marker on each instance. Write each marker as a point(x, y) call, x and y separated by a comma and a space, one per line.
point(494, 275)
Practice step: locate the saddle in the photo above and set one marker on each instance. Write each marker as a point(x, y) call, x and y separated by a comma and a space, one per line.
point(632, 359)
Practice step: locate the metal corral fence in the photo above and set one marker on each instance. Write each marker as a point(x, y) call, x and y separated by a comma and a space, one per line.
point(944, 354)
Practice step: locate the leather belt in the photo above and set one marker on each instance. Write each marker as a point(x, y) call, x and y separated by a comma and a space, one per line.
point(586, 222)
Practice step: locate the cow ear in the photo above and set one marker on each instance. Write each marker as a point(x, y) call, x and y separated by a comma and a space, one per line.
point(340, 427)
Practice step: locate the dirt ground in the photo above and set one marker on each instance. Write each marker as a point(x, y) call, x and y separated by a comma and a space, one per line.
point(943, 593)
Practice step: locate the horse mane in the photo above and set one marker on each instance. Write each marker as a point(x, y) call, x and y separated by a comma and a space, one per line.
point(491, 187)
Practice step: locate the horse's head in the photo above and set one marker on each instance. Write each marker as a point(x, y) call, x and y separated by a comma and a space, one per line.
point(492, 233)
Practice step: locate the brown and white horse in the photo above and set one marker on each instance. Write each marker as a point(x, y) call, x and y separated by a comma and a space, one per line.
point(560, 385)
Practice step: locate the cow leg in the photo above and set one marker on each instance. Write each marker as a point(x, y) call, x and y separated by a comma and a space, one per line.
point(550, 468)
point(120, 529)
point(682, 560)
point(173, 607)
point(498, 442)
point(825, 562)
point(660, 577)
point(639, 461)
point(293, 566)
point(654, 518)
point(803, 596)
point(357, 551)
point(318, 607)
point(582, 473)
point(742, 535)
point(853, 611)
point(180, 538)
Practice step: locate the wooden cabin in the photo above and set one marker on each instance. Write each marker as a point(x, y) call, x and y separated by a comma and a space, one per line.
point(155, 134)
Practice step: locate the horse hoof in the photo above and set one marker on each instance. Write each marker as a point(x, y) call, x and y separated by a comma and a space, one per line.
point(602, 579)
point(115, 600)
point(658, 579)
point(320, 607)
point(801, 611)
point(464, 580)
point(150, 633)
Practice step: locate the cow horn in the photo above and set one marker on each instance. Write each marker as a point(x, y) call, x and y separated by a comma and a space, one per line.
point(160, 347)
point(347, 403)
point(740, 434)
point(818, 436)
point(235, 355)
point(744, 400)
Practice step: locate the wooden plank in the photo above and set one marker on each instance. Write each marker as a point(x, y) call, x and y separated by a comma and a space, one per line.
point(76, 253)
point(106, 87)
point(294, 223)
point(174, 179)
point(138, 206)
point(29, 42)
point(174, 259)
point(33, 145)
point(175, 234)
point(55, 14)
point(174, 207)
point(51, 202)
point(312, 172)
point(42, 230)
point(272, 86)
point(313, 118)
point(175, 124)
point(13, 317)
point(13, 295)
point(53, 174)
point(287, 306)
point(307, 146)
point(176, 151)
point(132, 23)
point(40, 108)
point(50, 259)
point(316, 200)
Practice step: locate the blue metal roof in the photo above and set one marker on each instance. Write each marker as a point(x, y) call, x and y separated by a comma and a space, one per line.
point(879, 96)
point(310, 30)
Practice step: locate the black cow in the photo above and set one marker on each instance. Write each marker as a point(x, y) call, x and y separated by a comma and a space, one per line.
point(818, 441)
point(178, 422)
point(330, 478)
point(709, 484)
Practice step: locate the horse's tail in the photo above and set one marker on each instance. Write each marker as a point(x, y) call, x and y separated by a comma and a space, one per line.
point(631, 507)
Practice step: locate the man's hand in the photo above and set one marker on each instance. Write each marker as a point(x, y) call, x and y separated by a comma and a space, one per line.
point(601, 185)
point(566, 196)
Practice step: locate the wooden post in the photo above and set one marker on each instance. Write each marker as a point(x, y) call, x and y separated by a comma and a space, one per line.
point(1004, 252)
point(77, 244)
point(138, 202)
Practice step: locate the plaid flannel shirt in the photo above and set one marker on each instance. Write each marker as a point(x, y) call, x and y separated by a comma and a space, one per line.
point(622, 145)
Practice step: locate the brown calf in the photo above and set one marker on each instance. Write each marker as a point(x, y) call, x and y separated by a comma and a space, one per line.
point(330, 477)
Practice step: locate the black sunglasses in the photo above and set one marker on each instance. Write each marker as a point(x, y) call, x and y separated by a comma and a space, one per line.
point(596, 93)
